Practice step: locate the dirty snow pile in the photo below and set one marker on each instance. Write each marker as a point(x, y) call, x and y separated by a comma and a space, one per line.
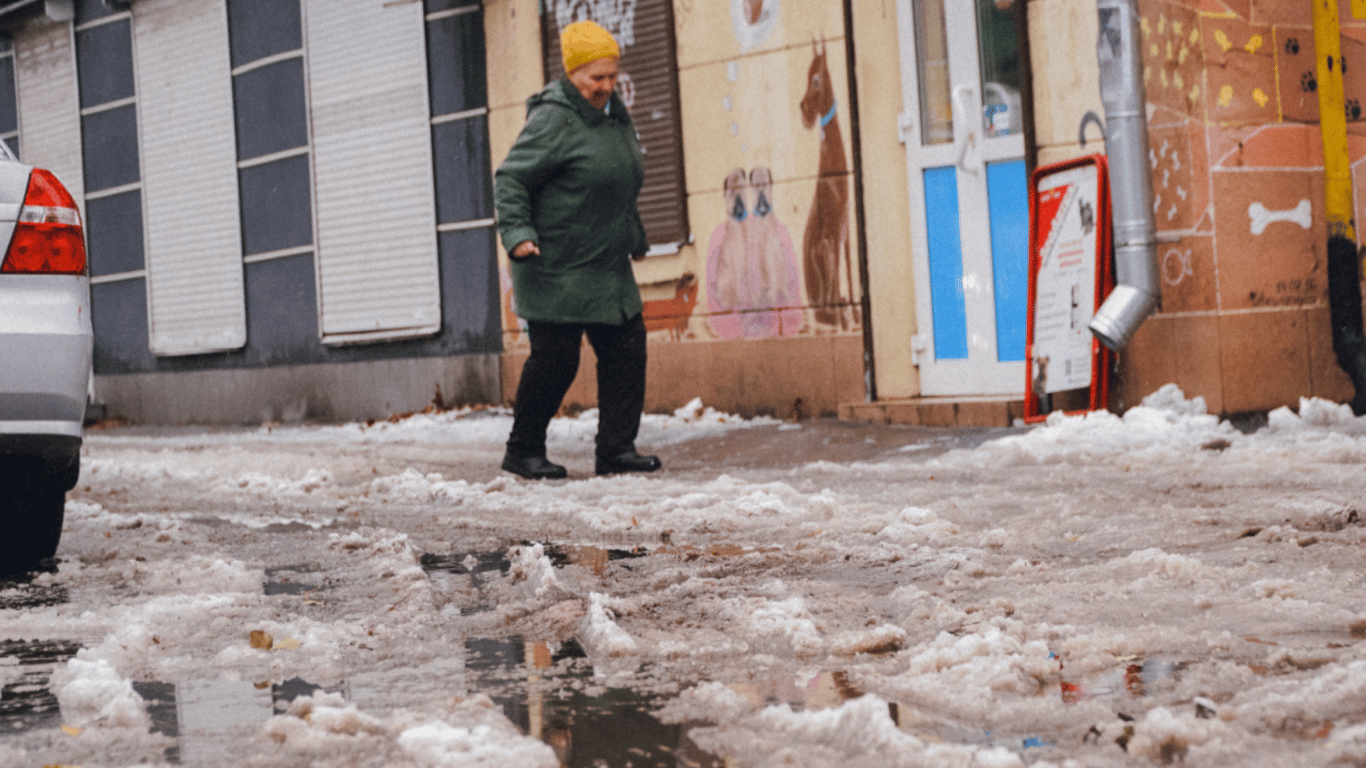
point(1150, 588)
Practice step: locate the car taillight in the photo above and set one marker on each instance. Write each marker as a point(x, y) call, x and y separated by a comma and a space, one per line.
point(47, 237)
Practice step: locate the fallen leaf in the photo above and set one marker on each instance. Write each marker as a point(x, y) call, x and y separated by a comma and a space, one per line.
point(261, 639)
point(288, 644)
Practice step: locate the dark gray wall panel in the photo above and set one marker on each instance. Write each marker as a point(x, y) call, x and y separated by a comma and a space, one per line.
point(464, 186)
point(109, 142)
point(276, 205)
point(444, 5)
point(282, 311)
point(104, 57)
point(455, 63)
point(262, 28)
point(9, 105)
point(470, 309)
point(271, 109)
point(113, 233)
point(119, 313)
point(89, 10)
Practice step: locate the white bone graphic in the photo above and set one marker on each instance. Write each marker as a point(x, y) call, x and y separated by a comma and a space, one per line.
point(1302, 214)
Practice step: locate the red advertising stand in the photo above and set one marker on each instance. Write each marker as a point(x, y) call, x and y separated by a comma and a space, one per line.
point(1070, 256)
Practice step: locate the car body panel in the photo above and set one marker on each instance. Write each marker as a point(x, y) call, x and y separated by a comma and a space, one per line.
point(46, 342)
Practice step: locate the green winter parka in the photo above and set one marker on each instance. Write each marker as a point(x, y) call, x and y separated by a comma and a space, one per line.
point(569, 184)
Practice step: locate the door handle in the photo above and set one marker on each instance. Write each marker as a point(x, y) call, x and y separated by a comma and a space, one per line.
point(968, 155)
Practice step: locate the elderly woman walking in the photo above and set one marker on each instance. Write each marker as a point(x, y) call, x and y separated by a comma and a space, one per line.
point(566, 202)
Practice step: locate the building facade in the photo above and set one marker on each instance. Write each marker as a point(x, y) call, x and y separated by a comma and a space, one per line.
point(288, 202)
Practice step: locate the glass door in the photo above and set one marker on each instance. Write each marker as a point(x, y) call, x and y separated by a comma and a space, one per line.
point(961, 73)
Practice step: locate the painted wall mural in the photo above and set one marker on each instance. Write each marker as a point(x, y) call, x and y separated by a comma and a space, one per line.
point(765, 154)
point(1236, 160)
point(752, 283)
point(753, 21)
point(827, 226)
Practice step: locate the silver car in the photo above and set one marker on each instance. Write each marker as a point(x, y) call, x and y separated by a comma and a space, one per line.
point(45, 358)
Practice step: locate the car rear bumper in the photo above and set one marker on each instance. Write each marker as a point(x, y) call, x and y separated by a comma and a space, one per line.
point(58, 451)
point(45, 346)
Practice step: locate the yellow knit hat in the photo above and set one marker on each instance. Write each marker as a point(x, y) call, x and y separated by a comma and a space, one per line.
point(585, 41)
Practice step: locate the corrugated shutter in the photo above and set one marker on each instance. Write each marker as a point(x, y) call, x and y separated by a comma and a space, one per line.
point(49, 125)
point(189, 169)
point(648, 57)
point(376, 208)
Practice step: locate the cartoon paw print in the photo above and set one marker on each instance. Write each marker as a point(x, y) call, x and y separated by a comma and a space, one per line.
point(1308, 82)
point(1292, 46)
point(1353, 109)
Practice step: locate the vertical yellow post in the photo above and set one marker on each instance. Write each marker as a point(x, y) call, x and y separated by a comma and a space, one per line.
point(1344, 269)
point(1333, 120)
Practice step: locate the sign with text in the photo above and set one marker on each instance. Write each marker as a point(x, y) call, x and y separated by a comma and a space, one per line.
point(1069, 276)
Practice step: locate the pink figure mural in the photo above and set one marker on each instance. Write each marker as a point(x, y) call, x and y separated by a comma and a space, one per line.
point(753, 288)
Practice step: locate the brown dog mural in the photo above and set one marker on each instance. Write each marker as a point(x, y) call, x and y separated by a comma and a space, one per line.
point(672, 314)
point(827, 225)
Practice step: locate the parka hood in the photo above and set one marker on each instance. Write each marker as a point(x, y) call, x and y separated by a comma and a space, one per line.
point(562, 93)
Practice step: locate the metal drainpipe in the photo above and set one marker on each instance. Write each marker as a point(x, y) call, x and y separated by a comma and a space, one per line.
point(1137, 291)
point(1344, 275)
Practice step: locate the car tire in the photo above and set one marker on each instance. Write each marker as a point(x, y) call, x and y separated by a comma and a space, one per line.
point(31, 514)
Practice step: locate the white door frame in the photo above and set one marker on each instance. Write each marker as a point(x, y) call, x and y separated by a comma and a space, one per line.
point(980, 373)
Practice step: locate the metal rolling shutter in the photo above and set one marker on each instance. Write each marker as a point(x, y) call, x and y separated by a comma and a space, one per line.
point(49, 125)
point(648, 56)
point(376, 207)
point(189, 169)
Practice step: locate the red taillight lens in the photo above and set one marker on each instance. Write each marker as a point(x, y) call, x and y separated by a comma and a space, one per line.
point(47, 237)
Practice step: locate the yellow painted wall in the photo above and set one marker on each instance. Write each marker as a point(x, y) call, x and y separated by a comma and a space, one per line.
point(741, 88)
point(740, 105)
point(1066, 78)
point(891, 284)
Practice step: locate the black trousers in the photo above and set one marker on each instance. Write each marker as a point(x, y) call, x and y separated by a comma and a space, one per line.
point(551, 368)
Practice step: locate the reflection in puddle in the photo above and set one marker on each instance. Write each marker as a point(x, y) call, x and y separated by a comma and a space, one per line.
point(160, 702)
point(1130, 678)
point(19, 593)
point(26, 703)
point(472, 563)
point(548, 690)
point(286, 579)
point(591, 557)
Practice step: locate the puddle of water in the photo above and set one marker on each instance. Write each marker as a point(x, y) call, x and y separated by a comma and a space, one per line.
point(472, 563)
point(594, 558)
point(286, 579)
point(27, 704)
point(548, 691)
point(1130, 678)
point(160, 701)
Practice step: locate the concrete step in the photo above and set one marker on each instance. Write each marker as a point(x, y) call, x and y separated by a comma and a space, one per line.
point(937, 411)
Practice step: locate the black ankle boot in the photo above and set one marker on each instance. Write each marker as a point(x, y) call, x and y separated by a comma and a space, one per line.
point(627, 461)
point(533, 467)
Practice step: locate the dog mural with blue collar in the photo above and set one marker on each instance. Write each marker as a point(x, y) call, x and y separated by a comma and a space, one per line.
point(827, 225)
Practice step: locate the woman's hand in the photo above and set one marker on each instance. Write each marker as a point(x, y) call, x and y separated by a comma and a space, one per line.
point(525, 249)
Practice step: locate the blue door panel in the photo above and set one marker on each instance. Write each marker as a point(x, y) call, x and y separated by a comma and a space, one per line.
point(1008, 209)
point(946, 264)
